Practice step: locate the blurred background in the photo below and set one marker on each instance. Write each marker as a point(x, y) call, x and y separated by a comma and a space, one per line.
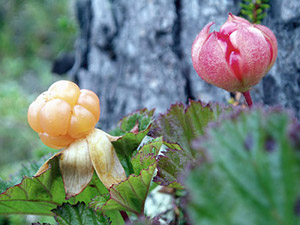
point(32, 35)
point(133, 54)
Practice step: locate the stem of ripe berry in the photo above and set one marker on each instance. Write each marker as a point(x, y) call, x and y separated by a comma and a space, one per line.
point(248, 98)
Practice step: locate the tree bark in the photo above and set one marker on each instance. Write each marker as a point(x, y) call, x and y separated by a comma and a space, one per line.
point(136, 54)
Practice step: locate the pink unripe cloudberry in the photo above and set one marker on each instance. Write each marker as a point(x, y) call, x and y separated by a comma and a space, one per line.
point(235, 58)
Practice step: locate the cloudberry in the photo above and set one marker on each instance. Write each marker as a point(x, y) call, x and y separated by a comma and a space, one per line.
point(64, 113)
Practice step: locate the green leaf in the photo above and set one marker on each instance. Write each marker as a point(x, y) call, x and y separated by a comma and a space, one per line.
point(99, 201)
point(39, 195)
point(265, 6)
point(128, 144)
point(4, 185)
point(253, 170)
point(142, 118)
point(129, 195)
point(181, 125)
point(261, 16)
point(259, 11)
point(251, 17)
point(247, 7)
point(244, 13)
point(27, 169)
point(170, 166)
point(78, 214)
point(133, 129)
point(146, 155)
point(152, 146)
point(34, 195)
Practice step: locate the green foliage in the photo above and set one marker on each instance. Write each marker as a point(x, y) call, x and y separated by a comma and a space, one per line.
point(17, 139)
point(128, 143)
point(220, 165)
point(26, 170)
point(146, 155)
point(134, 128)
point(170, 166)
point(14, 138)
point(35, 29)
point(13, 219)
point(4, 185)
point(181, 125)
point(254, 10)
point(78, 214)
point(39, 195)
point(134, 122)
point(129, 195)
point(253, 169)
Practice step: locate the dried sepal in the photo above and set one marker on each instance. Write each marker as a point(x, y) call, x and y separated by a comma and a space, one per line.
point(110, 137)
point(104, 158)
point(76, 167)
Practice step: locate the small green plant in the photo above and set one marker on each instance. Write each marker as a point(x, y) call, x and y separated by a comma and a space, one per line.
point(254, 10)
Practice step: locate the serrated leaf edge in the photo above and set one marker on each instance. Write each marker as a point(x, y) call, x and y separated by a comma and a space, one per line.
point(132, 175)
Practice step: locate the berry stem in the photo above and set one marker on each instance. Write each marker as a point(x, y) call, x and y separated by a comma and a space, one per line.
point(248, 98)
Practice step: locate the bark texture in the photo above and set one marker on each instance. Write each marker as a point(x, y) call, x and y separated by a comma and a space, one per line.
point(136, 54)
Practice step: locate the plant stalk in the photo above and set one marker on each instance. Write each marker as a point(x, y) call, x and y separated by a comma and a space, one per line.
point(125, 216)
point(248, 98)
